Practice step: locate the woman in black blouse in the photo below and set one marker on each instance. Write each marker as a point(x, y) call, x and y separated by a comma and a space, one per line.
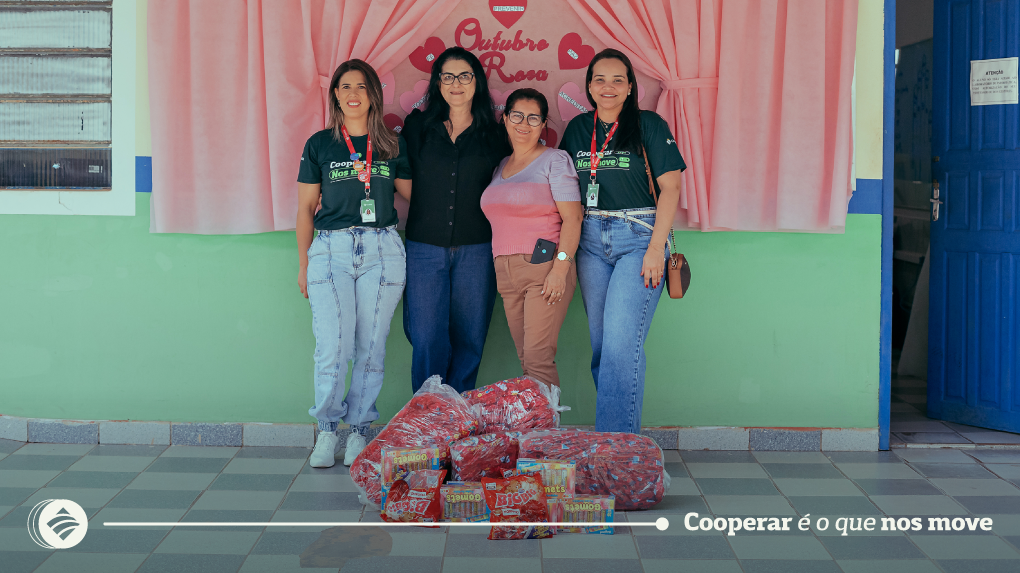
point(453, 147)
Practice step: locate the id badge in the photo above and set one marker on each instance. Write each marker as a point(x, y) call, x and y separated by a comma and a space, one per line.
point(368, 210)
point(593, 195)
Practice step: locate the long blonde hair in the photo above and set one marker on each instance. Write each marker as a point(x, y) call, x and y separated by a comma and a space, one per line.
point(383, 140)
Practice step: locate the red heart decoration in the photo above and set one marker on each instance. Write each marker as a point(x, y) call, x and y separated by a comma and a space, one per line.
point(389, 85)
point(549, 137)
point(573, 53)
point(571, 102)
point(414, 99)
point(393, 122)
point(508, 12)
point(423, 56)
point(499, 101)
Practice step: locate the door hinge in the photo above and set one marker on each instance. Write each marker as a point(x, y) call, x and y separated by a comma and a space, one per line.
point(935, 202)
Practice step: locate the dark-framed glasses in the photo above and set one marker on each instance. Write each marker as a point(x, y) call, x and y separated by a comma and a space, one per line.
point(533, 120)
point(463, 79)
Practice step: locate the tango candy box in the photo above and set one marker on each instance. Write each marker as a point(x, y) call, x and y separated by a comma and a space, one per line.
point(583, 509)
point(464, 502)
point(558, 476)
point(398, 463)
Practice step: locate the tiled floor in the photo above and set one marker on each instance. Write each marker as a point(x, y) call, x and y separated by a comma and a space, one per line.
point(141, 483)
point(911, 425)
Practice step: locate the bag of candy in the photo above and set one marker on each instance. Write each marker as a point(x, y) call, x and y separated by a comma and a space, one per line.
point(558, 476)
point(436, 415)
point(517, 404)
point(398, 463)
point(624, 465)
point(487, 455)
point(520, 499)
point(416, 498)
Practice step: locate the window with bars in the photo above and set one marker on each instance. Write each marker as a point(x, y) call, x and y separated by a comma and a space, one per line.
point(55, 94)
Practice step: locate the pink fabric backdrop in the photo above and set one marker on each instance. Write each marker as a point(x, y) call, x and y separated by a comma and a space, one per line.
point(231, 85)
point(758, 93)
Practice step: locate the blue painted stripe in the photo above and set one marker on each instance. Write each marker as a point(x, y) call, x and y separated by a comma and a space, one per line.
point(143, 174)
point(867, 198)
point(885, 325)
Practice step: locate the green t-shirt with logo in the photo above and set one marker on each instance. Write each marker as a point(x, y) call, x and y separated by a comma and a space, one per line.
point(621, 176)
point(328, 162)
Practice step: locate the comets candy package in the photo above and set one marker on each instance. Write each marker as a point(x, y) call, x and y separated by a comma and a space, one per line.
point(624, 465)
point(463, 502)
point(583, 509)
point(436, 415)
point(487, 455)
point(558, 476)
point(520, 499)
point(517, 404)
point(415, 498)
point(398, 463)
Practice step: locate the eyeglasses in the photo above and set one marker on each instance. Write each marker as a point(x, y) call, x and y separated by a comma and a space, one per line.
point(463, 79)
point(533, 120)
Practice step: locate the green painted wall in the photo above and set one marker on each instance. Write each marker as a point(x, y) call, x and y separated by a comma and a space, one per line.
point(101, 320)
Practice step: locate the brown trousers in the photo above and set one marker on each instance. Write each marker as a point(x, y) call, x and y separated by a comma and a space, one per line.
point(534, 324)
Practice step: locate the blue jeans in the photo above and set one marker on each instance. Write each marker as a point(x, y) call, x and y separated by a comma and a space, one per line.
point(620, 311)
point(355, 279)
point(447, 308)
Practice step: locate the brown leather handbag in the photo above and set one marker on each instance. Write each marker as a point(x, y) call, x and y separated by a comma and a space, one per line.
point(678, 272)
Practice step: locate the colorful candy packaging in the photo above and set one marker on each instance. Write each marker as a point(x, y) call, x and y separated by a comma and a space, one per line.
point(398, 463)
point(558, 476)
point(463, 502)
point(520, 499)
point(487, 455)
point(627, 466)
point(415, 498)
point(517, 404)
point(436, 415)
point(583, 509)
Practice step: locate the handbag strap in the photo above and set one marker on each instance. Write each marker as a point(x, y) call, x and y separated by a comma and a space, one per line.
point(651, 189)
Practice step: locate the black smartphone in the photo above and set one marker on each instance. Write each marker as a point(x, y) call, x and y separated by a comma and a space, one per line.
point(544, 252)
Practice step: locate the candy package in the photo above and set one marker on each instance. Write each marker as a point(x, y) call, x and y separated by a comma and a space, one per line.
point(398, 463)
point(517, 498)
point(463, 502)
point(583, 509)
point(435, 416)
point(517, 404)
point(487, 455)
point(624, 465)
point(558, 476)
point(415, 498)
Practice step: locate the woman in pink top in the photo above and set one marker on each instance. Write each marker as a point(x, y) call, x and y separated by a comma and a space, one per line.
point(534, 195)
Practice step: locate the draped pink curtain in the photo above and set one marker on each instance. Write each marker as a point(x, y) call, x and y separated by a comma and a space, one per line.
point(758, 93)
point(236, 87)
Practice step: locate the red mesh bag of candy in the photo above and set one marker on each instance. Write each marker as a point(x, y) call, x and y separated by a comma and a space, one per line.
point(627, 466)
point(517, 404)
point(487, 455)
point(517, 499)
point(436, 415)
point(416, 498)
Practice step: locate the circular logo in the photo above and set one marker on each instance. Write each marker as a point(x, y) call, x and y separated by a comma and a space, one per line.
point(57, 523)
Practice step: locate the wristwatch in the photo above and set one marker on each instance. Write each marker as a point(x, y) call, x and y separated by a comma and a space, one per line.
point(564, 256)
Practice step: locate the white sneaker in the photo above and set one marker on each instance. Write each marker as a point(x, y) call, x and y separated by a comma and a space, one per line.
point(326, 447)
point(355, 443)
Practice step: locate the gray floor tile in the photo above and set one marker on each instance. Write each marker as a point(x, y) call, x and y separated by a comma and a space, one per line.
point(790, 457)
point(493, 564)
point(965, 547)
point(18, 539)
point(329, 483)
point(476, 545)
point(410, 544)
point(344, 501)
point(312, 517)
point(166, 464)
point(273, 453)
point(37, 462)
point(128, 515)
point(1005, 524)
point(61, 562)
point(85, 497)
point(897, 487)
point(1008, 471)
point(119, 540)
point(833, 505)
point(889, 566)
point(391, 564)
point(802, 470)
point(127, 450)
point(174, 563)
point(337, 468)
point(918, 505)
point(284, 542)
point(209, 542)
point(978, 566)
point(589, 547)
point(112, 464)
point(172, 481)
point(12, 496)
point(228, 515)
point(224, 499)
point(992, 438)
point(871, 547)
point(921, 455)
point(704, 566)
point(965, 487)
point(817, 487)
point(200, 452)
point(683, 486)
point(26, 478)
point(55, 449)
point(673, 504)
point(93, 479)
point(254, 482)
point(155, 499)
point(877, 471)
point(713, 457)
point(960, 471)
point(985, 505)
point(9, 446)
point(984, 456)
point(290, 467)
point(931, 426)
point(788, 566)
point(932, 438)
point(280, 564)
point(675, 469)
point(777, 547)
point(749, 505)
point(23, 561)
point(560, 565)
point(737, 486)
point(685, 547)
point(863, 457)
point(18, 516)
point(726, 470)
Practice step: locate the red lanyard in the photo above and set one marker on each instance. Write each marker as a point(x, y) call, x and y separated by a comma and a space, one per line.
point(595, 158)
point(364, 169)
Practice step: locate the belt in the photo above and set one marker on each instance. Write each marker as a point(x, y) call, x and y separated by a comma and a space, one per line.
point(627, 216)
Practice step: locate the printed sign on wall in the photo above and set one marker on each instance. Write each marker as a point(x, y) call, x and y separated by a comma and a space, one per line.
point(993, 82)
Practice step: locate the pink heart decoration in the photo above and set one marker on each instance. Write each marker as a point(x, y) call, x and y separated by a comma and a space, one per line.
point(389, 86)
point(423, 56)
point(549, 137)
point(507, 12)
point(573, 53)
point(393, 122)
point(499, 99)
point(414, 99)
point(571, 102)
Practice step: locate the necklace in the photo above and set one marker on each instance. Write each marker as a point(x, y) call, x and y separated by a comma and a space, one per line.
point(605, 125)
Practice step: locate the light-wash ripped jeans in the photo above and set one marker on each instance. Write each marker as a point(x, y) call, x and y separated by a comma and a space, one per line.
point(355, 280)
